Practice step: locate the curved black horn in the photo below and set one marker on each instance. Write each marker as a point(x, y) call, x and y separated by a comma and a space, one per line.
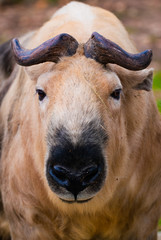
point(49, 51)
point(106, 51)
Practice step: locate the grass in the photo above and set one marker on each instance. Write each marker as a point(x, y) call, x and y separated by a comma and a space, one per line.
point(157, 88)
point(157, 93)
point(159, 104)
point(157, 81)
point(159, 225)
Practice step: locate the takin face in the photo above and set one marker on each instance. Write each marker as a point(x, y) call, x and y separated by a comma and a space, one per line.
point(80, 106)
point(77, 136)
point(81, 114)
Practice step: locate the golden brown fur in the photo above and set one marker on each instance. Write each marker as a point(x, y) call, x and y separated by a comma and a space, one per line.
point(128, 205)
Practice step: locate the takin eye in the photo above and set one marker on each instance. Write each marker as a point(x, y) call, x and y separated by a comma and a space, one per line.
point(116, 94)
point(41, 94)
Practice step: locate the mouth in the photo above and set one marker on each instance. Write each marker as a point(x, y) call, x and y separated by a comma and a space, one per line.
point(75, 201)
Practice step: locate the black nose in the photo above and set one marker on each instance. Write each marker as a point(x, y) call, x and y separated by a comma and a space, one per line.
point(74, 181)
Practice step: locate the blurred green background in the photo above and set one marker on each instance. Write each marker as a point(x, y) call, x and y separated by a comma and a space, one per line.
point(157, 89)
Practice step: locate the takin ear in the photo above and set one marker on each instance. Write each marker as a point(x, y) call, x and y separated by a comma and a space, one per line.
point(34, 72)
point(138, 80)
point(146, 77)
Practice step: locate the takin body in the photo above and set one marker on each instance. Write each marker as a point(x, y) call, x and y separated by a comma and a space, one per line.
point(80, 133)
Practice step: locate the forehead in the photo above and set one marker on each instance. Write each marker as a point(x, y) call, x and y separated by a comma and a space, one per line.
point(76, 71)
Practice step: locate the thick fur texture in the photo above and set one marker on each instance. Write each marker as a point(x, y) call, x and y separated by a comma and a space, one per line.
point(78, 90)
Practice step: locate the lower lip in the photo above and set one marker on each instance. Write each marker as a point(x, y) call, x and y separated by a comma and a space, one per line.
point(76, 201)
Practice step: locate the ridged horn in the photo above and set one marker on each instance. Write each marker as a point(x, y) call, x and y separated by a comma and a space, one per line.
point(50, 51)
point(105, 51)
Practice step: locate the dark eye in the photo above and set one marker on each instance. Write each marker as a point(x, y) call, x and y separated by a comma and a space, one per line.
point(116, 94)
point(41, 94)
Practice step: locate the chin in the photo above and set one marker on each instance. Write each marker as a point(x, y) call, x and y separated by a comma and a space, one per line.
point(69, 206)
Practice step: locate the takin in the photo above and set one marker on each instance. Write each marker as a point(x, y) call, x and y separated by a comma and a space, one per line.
point(80, 132)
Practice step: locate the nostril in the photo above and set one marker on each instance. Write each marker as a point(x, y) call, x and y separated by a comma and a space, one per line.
point(59, 171)
point(59, 174)
point(74, 181)
point(90, 174)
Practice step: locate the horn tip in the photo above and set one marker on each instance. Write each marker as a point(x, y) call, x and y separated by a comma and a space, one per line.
point(149, 54)
point(15, 44)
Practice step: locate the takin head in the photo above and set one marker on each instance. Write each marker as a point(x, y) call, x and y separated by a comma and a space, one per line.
point(83, 111)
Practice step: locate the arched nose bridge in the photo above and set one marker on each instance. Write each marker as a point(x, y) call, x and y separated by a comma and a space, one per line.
point(77, 109)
